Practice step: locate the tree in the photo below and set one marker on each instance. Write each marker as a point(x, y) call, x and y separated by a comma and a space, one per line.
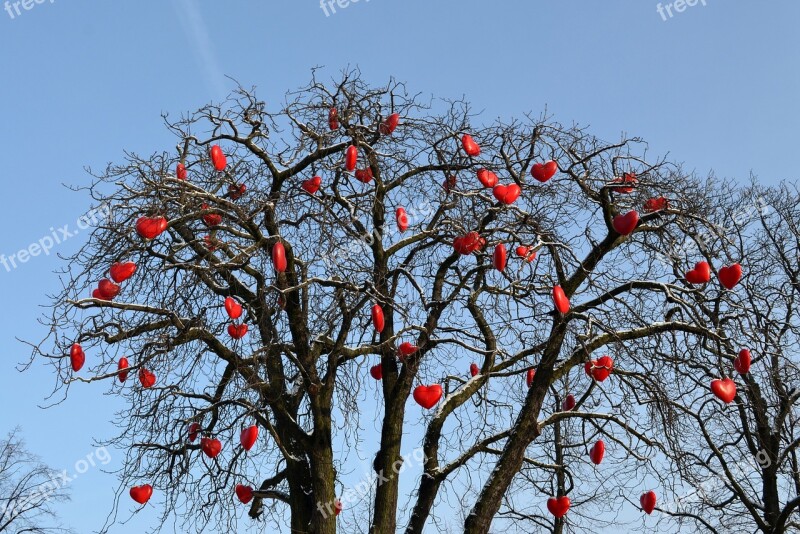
point(28, 490)
point(309, 259)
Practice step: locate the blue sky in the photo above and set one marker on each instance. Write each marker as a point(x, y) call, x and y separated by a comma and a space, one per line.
point(714, 86)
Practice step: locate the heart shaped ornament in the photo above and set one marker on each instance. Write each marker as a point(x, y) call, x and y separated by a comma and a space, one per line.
point(248, 437)
point(542, 172)
point(378, 320)
point(233, 308)
point(597, 452)
point(146, 378)
point(122, 366)
point(376, 372)
point(724, 389)
point(218, 158)
point(470, 146)
point(76, 357)
point(560, 299)
point(150, 227)
point(500, 257)
point(506, 194)
point(244, 493)
point(487, 178)
point(473, 369)
point(141, 494)
point(312, 185)
point(119, 272)
point(742, 362)
point(211, 447)
point(701, 274)
point(558, 506)
point(729, 276)
point(648, 501)
point(428, 396)
point(625, 224)
point(402, 219)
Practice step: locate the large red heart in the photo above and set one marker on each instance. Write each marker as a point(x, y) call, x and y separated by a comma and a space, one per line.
point(236, 191)
point(625, 224)
point(76, 357)
point(350, 158)
point(248, 437)
point(194, 430)
point(724, 389)
point(558, 506)
point(333, 119)
point(364, 175)
point(402, 219)
point(627, 178)
point(388, 126)
point(211, 447)
point(405, 350)
point(656, 204)
point(312, 185)
point(469, 243)
point(473, 369)
point(122, 366)
point(470, 146)
point(211, 219)
point(108, 289)
point(279, 257)
point(701, 274)
point(237, 331)
point(529, 376)
point(648, 502)
point(506, 194)
point(500, 257)
point(560, 299)
point(599, 369)
point(120, 272)
point(569, 403)
point(180, 171)
point(428, 396)
point(218, 158)
point(244, 493)
point(146, 378)
point(376, 371)
point(150, 227)
point(730, 276)
point(141, 494)
point(487, 178)
point(233, 308)
point(597, 452)
point(742, 362)
point(544, 171)
point(378, 320)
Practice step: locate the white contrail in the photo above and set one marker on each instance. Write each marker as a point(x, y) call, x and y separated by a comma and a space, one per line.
point(197, 32)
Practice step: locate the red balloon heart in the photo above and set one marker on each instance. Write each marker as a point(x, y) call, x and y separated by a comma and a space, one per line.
point(599, 369)
point(119, 272)
point(656, 204)
point(569, 403)
point(544, 171)
point(364, 175)
point(377, 317)
point(146, 378)
point(237, 331)
point(648, 502)
point(730, 276)
point(525, 252)
point(742, 362)
point(76, 357)
point(122, 373)
point(108, 289)
point(724, 389)
point(233, 308)
point(337, 507)
point(625, 224)
point(333, 119)
point(211, 447)
point(141, 494)
point(560, 299)
point(529, 376)
point(473, 369)
point(506, 194)
point(402, 219)
point(248, 437)
point(428, 396)
point(376, 371)
point(627, 178)
point(236, 191)
point(312, 185)
point(558, 506)
point(469, 243)
point(449, 183)
point(701, 274)
point(194, 430)
point(597, 452)
point(350, 158)
point(388, 126)
point(211, 219)
point(218, 158)
point(405, 350)
point(180, 172)
point(244, 493)
point(279, 257)
point(487, 178)
point(500, 257)
point(150, 227)
point(470, 146)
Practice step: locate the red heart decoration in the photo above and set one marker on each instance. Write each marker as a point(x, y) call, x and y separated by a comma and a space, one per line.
point(449, 183)
point(428, 396)
point(529, 376)
point(150, 227)
point(76, 357)
point(211, 219)
point(405, 350)
point(337, 507)
point(724, 389)
point(544, 171)
point(730, 276)
point(597, 452)
point(742, 362)
point(180, 172)
point(626, 224)
point(473, 369)
point(146, 378)
point(525, 252)
point(402, 219)
point(648, 502)
point(108, 289)
point(211, 447)
point(560, 299)
point(312, 185)
point(470, 146)
point(233, 308)
point(627, 178)
point(333, 119)
point(701, 274)
point(500, 257)
point(237, 331)
point(120, 272)
point(377, 317)
point(194, 430)
point(244, 493)
point(569, 403)
point(388, 126)
point(350, 158)
point(376, 371)
point(236, 191)
point(122, 374)
point(506, 194)
point(467, 244)
point(141, 494)
point(656, 204)
point(602, 368)
point(364, 175)
point(279, 257)
point(218, 158)
point(210, 243)
point(487, 178)
point(558, 506)
point(248, 437)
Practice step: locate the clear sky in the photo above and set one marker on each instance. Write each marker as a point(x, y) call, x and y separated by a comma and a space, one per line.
point(715, 86)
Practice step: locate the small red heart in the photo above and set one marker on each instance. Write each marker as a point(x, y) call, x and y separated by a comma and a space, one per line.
point(525, 252)
point(569, 403)
point(500, 257)
point(119, 272)
point(724, 389)
point(150, 227)
point(351, 158)
point(122, 374)
point(428, 396)
point(506, 194)
point(364, 175)
point(597, 452)
point(237, 331)
point(233, 308)
point(194, 430)
point(742, 362)
point(626, 224)
point(279, 257)
point(211, 219)
point(560, 299)
point(244, 493)
point(180, 171)
point(656, 204)
point(337, 507)
point(627, 178)
point(470, 146)
point(236, 191)
point(312, 185)
point(211, 447)
point(558, 506)
point(469, 243)
point(76, 357)
point(487, 178)
point(701, 274)
point(377, 317)
point(218, 158)
point(146, 378)
point(388, 126)
point(544, 171)
point(402, 219)
point(529, 376)
point(248, 437)
point(449, 183)
point(333, 119)
point(648, 502)
point(473, 369)
point(141, 494)
point(730, 276)
point(108, 289)
point(405, 350)
point(376, 371)
point(602, 368)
